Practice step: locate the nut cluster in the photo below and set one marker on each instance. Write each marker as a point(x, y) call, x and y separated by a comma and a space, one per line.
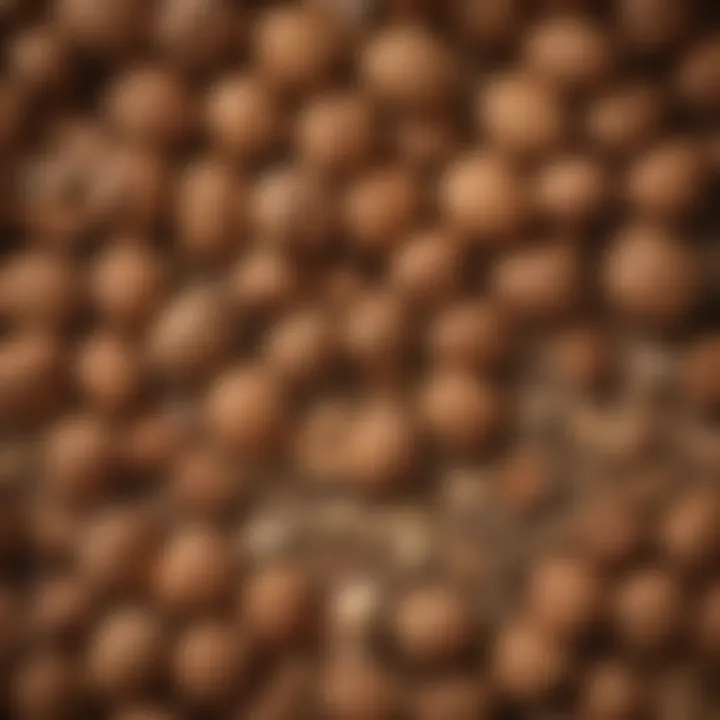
point(359, 359)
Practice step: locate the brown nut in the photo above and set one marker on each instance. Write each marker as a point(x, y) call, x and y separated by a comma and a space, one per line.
point(380, 208)
point(212, 212)
point(126, 653)
point(651, 277)
point(39, 60)
point(669, 181)
point(651, 26)
point(408, 67)
point(697, 77)
point(483, 199)
point(612, 691)
point(699, 381)
point(61, 609)
point(427, 142)
point(128, 284)
point(648, 611)
point(195, 572)
point(39, 291)
point(570, 52)
point(571, 192)
point(706, 630)
point(242, 117)
point(453, 698)
point(383, 450)
point(192, 336)
point(432, 625)
point(542, 283)
point(625, 118)
point(526, 482)
point(109, 373)
point(297, 48)
point(460, 413)
point(565, 597)
point(246, 412)
point(78, 457)
point(493, 24)
point(209, 665)
point(335, 134)
point(519, 115)
point(279, 603)
point(151, 107)
point(471, 335)
point(427, 269)
point(528, 666)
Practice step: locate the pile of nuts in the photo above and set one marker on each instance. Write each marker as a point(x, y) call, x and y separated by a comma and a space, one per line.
point(360, 359)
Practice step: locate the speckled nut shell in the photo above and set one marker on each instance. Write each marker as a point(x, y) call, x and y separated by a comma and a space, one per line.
point(483, 199)
point(408, 67)
point(519, 114)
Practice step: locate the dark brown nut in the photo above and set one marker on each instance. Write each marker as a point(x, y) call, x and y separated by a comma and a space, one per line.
point(483, 199)
point(460, 413)
point(570, 52)
point(212, 212)
point(613, 691)
point(265, 282)
point(39, 291)
point(626, 118)
point(302, 348)
point(540, 284)
point(210, 663)
point(192, 336)
point(432, 625)
point(408, 67)
point(246, 412)
point(297, 48)
point(519, 115)
point(355, 688)
point(335, 134)
point(581, 357)
point(204, 485)
point(528, 666)
point(648, 611)
point(196, 34)
point(109, 373)
point(39, 60)
point(651, 277)
point(565, 597)
point(128, 285)
point(493, 24)
point(471, 336)
point(706, 635)
point(145, 711)
point(150, 107)
point(151, 442)
point(78, 459)
point(690, 532)
point(651, 26)
point(427, 142)
point(571, 191)
point(61, 609)
point(47, 686)
point(699, 378)
point(243, 119)
point(383, 448)
point(453, 698)
point(293, 209)
point(291, 687)
point(53, 529)
point(526, 481)
point(105, 28)
point(280, 603)
point(194, 574)
point(698, 79)
point(116, 552)
point(427, 269)
point(127, 653)
point(33, 378)
point(668, 181)
point(130, 189)
point(376, 333)
point(381, 207)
